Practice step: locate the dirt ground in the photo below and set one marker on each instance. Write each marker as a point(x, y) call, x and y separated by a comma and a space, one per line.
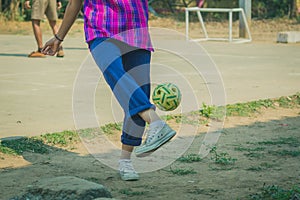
point(265, 147)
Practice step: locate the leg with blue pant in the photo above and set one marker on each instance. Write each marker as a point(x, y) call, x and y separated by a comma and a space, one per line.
point(127, 71)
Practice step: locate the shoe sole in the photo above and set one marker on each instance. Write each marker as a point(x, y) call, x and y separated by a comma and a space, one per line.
point(128, 178)
point(155, 146)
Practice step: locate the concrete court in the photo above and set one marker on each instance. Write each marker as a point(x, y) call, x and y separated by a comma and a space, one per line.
point(36, 93)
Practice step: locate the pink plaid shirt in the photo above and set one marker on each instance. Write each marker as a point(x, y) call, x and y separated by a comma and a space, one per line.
point(125, 20)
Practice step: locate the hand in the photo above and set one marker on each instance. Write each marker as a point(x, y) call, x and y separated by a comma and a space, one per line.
point(59, 5)
point(27, 5)
point(51, 47)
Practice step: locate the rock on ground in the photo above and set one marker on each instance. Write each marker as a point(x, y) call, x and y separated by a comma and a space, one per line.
point(64, 188)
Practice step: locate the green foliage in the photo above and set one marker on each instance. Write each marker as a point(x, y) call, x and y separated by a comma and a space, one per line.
point(190, 158)
point(261, 9)
point(291, 141)
point(222, 158)
point(39, 144)
point(265, 9)
point(62, 138)
point(212, 112)
point(246, 109)
point(261, 167)
point(111, 127)
point(18, 146)
point(273, 192)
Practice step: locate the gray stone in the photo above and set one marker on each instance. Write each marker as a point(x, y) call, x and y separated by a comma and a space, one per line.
point(65, 188)
point(288, 37)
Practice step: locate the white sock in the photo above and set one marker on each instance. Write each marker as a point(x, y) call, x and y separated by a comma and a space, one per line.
point(157, 123)
point(124, 160)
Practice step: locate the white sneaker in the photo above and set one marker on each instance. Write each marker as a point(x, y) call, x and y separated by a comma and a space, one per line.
point(156, 137)
point(126, 170)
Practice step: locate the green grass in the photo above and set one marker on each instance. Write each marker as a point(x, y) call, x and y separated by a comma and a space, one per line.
point(19, 146)
point(249, 149)
point(249, 108)
point(111, 127)
point(261, 167)
point(60, 138)
point(190, 158)
point(291, 141)
point(253, 152)
point(291, 153)
point(274, 192)
point(39, 144)
point(222, 158)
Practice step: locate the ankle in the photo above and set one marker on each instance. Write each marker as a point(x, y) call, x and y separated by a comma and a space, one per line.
point(157, 123)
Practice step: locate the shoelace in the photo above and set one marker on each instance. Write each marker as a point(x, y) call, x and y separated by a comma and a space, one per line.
point(151, 133)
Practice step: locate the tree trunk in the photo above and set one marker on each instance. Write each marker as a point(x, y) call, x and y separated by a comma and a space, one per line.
point(14, 9)
point(297, 8)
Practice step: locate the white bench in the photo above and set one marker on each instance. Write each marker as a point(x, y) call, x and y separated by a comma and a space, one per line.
point(229, 11)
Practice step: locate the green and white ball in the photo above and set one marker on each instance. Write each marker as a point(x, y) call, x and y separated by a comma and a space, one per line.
point(166, 96)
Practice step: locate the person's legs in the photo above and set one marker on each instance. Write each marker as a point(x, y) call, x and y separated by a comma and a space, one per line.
point(53, 26)
point(37, 14)
point(137, 65)
point(132, 98)
point(37, 33)
point(51, 13)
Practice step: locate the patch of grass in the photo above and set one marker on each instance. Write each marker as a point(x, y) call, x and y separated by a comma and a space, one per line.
point(261, 167)
point(212, 112)
point(254, 155)
point(291, 141)
point(190, 158)
point(182, 118)
point(276, 192)
point(88, 133)
point(182, 171)
point(222, 158)
point(248, 108)
point(249, 149)
point(111, 127)
point(284, 152)
point(18, 146)
point(60, 138)
point(251, 152)
point(6, 150)
point(130, 192)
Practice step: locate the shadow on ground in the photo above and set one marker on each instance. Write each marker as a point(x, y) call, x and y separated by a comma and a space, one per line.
point(264, 154)
point(13, 55)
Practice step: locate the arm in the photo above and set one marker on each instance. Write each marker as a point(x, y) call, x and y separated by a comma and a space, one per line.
point(27, 4)
point(72, 10)
point(59, 5)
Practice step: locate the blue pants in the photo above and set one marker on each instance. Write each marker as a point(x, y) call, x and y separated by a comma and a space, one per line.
point(126, 69)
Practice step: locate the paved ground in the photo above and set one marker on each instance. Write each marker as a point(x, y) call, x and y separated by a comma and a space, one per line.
point(36, 94)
